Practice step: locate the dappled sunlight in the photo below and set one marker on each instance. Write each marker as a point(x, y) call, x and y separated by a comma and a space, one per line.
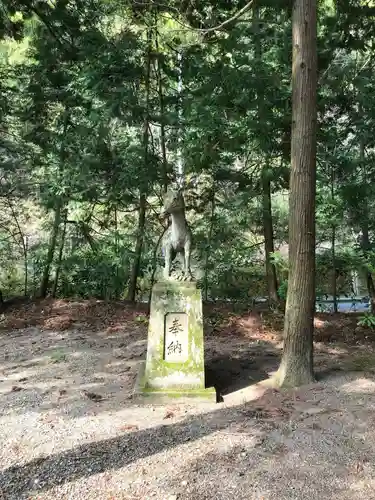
point(27, 363)
point(17, 375)
point(117, 364)
point(61, 314)
point(334, 350)
point(249, 393)
point(62, 322)
point(360, 385)
point(57, 304)
point(251, 321)
point(76, 354)
point(74, 410)
point(365, 487)
point(318, 323)
point(124, 332)
point(114, 329)
point(236, 138)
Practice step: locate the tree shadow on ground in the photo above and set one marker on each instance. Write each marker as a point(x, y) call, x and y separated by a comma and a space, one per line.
point(263, 451)
point(287, 465)
point(238, 351)
point(101, 350)
point(231, 373)
point(51, 370)
point(105, 360)
point(93, 458)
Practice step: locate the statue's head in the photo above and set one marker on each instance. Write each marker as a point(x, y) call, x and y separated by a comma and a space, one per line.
point(173, 202)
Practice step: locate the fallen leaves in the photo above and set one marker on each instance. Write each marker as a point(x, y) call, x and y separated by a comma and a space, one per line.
point(129, 427)
point(59, 323)
point(61, 314)
point(269, 413)
point(169, 414)
point(12, 323)
point(114, 329)
point(93, 396)
point(16, 388)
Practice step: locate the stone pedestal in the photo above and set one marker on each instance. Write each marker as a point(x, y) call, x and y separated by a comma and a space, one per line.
point(174, 366)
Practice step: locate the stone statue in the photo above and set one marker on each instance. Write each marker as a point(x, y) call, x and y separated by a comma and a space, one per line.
point(178, 237)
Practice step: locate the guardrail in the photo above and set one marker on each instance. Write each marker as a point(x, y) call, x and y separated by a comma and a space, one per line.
point(344, 304)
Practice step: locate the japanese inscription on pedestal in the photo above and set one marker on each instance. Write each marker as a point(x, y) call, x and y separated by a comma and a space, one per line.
point(176, 338)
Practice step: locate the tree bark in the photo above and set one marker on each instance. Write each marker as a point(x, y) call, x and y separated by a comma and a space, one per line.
point(366, 245)
point(162, 110)
point(208, 244)
point(51, 250)
point(268, 238)
point(60, 202)
point(132, 290)
point(334, 276)
point(24, 243)
point(296, 366)
point(154, 265)
point(60, 254)
point(333, 245)
point(265, 180)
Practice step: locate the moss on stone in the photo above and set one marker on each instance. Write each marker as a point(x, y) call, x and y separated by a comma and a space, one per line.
point(169, 297)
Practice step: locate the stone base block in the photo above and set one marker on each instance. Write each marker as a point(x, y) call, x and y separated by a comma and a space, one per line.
point(146, 395)
point(174, 367)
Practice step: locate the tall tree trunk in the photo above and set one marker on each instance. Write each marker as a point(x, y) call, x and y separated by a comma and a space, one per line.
point(268, 237)
point(118, 287)
point(162, 109)
point(60, 254)
point(208, 244)
point(60, 202)
point(51, 249)
point(132, 290)
point(26, 264)
point(24, 243)
point(154, 265)
point(296, 366)
point(366, 245)
point(265, 180)
point(334, 276)
point(333, 245)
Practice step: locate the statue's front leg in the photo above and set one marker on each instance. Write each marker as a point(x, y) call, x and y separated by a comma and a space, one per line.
point(168, 260)
point(187, 252)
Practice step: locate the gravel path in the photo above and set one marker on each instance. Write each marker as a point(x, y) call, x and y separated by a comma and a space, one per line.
point(69, 430)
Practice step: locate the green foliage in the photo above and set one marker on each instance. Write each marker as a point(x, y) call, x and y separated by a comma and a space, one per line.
point(367, 320)
point(283, 289)
point(141, 318)
point(346, 261)
point(280, 262)
point(86, 129)
point(100, 274)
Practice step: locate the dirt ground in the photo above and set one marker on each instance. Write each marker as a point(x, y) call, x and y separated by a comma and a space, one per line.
point(70, 430)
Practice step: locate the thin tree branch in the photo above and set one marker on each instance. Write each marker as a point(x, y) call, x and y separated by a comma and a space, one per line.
point(220, 26)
